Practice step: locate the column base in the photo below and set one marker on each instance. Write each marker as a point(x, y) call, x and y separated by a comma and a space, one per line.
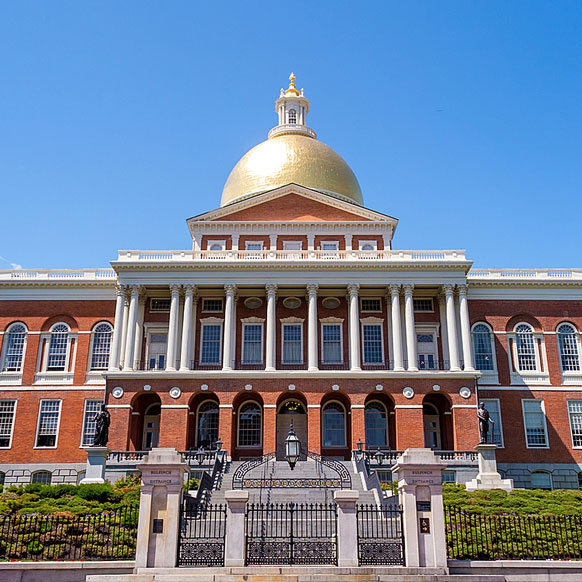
point(355, 369)
point(413, 369)
point(454, 369)
point(226, 369)
point(399, 369)
point(270, 369)
point(313, 369)
point(114, 369)
point(184, 369)
point(170, 369)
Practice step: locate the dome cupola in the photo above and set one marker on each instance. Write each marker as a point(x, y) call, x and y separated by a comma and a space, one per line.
point(291, 154)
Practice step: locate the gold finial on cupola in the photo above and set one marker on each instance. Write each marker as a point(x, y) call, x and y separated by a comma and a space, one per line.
point(292, 89)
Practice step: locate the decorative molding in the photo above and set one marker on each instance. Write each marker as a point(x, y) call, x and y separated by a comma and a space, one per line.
point(292, 320)
point(371, 320)
point(331, 320)
point(253, 320)
point(211, 319)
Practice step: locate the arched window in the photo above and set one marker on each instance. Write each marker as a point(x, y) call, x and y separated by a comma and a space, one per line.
point(101, 345)
point(376, 425)
point(216, 247)
point(15, 343)
point(568, 347)
point(368, 247)
point(207, 424)
point(526, 347)
point(482, 347)
point(292, 116)
point(250, 425)
point(541, 480)
point(58, 351)
point(334, 425)
point(43, 477)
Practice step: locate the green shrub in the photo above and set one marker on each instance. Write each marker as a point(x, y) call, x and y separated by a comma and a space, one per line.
point(191, 485)
point(35, 547)
point(95, 491)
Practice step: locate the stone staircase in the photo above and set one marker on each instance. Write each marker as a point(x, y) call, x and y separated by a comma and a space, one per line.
point(308, 469)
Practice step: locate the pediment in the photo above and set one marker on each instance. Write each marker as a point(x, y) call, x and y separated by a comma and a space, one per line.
point(293, 203)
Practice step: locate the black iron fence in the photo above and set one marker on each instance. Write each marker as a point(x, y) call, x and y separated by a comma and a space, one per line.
point(380, 535)
point(202, 534)
point(289, 533)
point(107, 536)
point(474, 536)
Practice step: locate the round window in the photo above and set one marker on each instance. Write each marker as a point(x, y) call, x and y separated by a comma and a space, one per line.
point(291, 302)
point(330, 302)
point(253, 302)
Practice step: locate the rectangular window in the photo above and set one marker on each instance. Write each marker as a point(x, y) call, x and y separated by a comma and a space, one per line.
point(423, 305)
point(57, 353)
point(292, 343)
point(372, 342)
point(48, 423)
point(92, 407)
point(330, 245)
point(212, 305)
point(211, 344)
point(254, 246)
point(292, 245)
point(157, 349)
point(159, 305)
point(7, 413)
point(252, 343)
point(370, 305)
point(575, 414)
point(495, 430)
point(534, 419)
point(331, 334)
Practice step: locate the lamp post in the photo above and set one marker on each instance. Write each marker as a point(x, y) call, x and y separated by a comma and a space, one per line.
point(200, 456)
point(292, 447)
point(218, 445)
point(379, 457)
point(360, 445)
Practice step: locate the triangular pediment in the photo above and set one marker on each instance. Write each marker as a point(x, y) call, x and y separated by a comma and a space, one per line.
point(293, 203)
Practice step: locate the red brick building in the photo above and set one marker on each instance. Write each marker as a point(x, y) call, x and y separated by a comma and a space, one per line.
point(292, 304)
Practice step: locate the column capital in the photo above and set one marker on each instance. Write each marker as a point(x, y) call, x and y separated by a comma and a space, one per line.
point(441, 298)
point(175, 289)
point(135, 290)
point(120, 290)
point(312, 289)
point(353, 289)
point(448, 288)
point(462, 289)
point(408, 288)
point(348, 237)
point(190, 289)
point(142, 299)
point(230, 289)
point(394, 289)
point(271, 289)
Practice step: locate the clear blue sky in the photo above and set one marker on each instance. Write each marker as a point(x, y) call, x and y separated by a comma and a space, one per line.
point(119, 120)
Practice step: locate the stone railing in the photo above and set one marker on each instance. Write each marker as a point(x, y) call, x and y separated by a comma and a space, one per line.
point(389, 457)
point(389, 256)
point(555, 275)
point(54, 275)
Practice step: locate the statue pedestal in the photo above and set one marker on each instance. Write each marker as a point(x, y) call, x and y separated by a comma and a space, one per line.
point(96, 462)
point(488, 476)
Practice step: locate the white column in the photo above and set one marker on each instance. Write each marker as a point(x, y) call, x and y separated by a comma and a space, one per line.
point(139, 332)
point(186, 352)
point(354, 327)
point(131, 321)
point(273, 242)
point(234, 242)
point(312, 363)
point(410, 330)
point(230, 291)
point(390, 332)
point(270, 344)
point(310, 242)
point(387, 239)
point(197, 238)
point(173, 328)
point(465, 328)
point(117, 328)
point(348, 238)
point(451, 327)
point(124, 325)
point(396, 327)
point(444, 332)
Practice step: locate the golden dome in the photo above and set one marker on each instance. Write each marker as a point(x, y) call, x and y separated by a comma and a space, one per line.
point(291, 158)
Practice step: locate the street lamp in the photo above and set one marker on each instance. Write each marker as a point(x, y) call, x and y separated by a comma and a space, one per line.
point(360, 445)
point(200, 456)
point(292, 447)
point(218, 445)
point(379, 457)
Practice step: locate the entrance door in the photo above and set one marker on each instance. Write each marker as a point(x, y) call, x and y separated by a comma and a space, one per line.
point(425, 345)
point(291, 411)
point(157, 348)
point(432, 427)
point(151, 427)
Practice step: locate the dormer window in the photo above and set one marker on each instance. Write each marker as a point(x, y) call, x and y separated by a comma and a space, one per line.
point(292, 116)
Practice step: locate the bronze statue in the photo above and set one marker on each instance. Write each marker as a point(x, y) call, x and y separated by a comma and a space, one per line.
point(484, 420)
point(102, 420)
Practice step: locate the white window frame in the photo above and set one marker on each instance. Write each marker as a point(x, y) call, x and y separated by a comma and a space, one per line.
point(346, 420)
point(250, 243)
point(363, 243)
point(152, 299)
point(538, 376)
point(292, 321)
point(287, 244)
point(332, 321)
point(87, 400)
point(207, 321)
point(570, 413)
point(13, 421)
point(386, 428)
point(431, 299)
point(17, 373)
point(154, 329)
point(45, 376)
point(244, 326)
point(543, 409)
point(204, 299)
point(90, 368)
point(335, 244)
point(372, 321)
point(379, 310)
point(238, 425)
point(488, 376)
point(499, 423)
point(197, 417)
point(58, 423)
point(211, 243)
point(570, 376)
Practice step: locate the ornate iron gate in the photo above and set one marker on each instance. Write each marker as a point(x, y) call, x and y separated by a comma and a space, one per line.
point(380, 535)
point(289, 533)
point(202, 532)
